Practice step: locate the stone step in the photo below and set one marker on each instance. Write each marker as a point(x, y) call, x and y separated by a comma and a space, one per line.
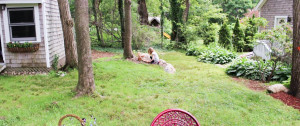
point(25, 71)
point(2, 67)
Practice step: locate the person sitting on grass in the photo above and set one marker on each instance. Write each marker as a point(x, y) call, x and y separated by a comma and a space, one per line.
point(153, 56)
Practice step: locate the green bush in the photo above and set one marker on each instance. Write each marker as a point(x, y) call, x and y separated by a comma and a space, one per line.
point(258, 70)
point(211, 34)
point(250, 32)
point(216, 55)
point(195, 50)
point(225, 37)
point(238, 37)
point(19, 45)
point(143, 36)
point(287, 82)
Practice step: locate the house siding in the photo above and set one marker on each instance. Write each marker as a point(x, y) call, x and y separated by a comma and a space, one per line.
point(55, 33)
point(35, 59)
point(274, 8)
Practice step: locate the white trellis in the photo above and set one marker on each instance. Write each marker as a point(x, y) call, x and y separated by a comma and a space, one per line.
point(262, 49)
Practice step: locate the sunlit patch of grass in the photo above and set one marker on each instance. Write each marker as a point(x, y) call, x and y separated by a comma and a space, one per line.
point(133, 94)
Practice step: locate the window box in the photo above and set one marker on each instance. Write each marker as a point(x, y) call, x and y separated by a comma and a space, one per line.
point(22, 47)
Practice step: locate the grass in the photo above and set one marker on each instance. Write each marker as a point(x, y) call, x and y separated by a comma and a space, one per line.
point(135, 93)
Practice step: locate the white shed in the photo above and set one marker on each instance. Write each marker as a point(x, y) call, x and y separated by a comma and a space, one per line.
point(154, 21)
point(31, 33)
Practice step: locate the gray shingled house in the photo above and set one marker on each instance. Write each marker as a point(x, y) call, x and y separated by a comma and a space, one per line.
point(276, 12)
point(35, 23)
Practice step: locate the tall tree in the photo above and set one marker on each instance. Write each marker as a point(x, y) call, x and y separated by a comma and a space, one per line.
point(142, 10)
point(121, 12)
point(95, 5)
point(113, 21)
point(176, 12)
point(162, 23)
point(235, 8)
point(250, 32)
point(98, 23)
point(128, 31)
point(186, 11)
point(225, 37)
point(238, 37)
point(69, 40)
point(295, 81)
point(86, 84)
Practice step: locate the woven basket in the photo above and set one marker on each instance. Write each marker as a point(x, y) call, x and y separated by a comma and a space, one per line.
point(71, 115)
point(34, 48)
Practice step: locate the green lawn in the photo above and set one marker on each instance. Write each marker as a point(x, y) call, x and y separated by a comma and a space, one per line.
point(135, 93)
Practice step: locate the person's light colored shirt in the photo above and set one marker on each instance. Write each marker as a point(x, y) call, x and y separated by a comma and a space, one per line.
point(155, 57)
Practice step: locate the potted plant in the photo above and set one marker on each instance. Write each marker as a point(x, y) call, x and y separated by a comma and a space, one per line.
point(17, 47)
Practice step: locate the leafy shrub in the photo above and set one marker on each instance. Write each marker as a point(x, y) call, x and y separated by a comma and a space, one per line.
point(287, 82)
point(211, 34)
point(225, 37)
point(238, 37)
point(258, 70)
point(170, 45)
point(281, 44)
point(143, 35)
point(19, 45)
point(195, 50)
point(250, 32)
point(216, 55)
point(55, 62)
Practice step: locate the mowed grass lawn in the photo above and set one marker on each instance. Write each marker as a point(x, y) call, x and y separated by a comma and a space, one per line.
point(135, 93)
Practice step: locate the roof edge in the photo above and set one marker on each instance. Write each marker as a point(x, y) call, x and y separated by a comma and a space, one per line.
point(260, 4)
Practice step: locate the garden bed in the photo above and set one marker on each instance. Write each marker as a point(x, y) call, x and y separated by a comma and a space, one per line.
point(287, 99)
point(251, 84)
point(282, 96)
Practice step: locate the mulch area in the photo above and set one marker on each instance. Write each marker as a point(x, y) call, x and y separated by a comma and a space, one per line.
point(287, 99)
point(251, 84)
point(282, 96)
point(98, 54)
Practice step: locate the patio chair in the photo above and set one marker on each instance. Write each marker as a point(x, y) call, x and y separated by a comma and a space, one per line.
point(175, 117)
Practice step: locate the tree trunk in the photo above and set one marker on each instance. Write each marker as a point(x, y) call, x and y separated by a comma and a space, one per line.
point(176, 16)
point(128, 31)
point(113, 21)
point(96, 5)
point(186, 11)
point(101, 26)
point(142, 10)
point(86, 85)
point(121, 12)
point(295, 81)
point(162, 23)
point(69, 40)
point(99, 23)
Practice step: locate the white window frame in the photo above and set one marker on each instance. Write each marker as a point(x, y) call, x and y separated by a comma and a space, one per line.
point(36, 21)
point(279, 17)
point(19, 1)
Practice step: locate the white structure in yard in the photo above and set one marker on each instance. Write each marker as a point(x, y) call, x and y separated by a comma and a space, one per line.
point(262, 49)
point(33, 21)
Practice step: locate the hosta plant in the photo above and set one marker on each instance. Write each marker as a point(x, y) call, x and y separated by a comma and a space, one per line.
point(216, 55)
point(258, 70)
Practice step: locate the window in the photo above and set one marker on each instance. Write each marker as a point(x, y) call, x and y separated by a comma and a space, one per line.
point(280, 20)
point(21, 23)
